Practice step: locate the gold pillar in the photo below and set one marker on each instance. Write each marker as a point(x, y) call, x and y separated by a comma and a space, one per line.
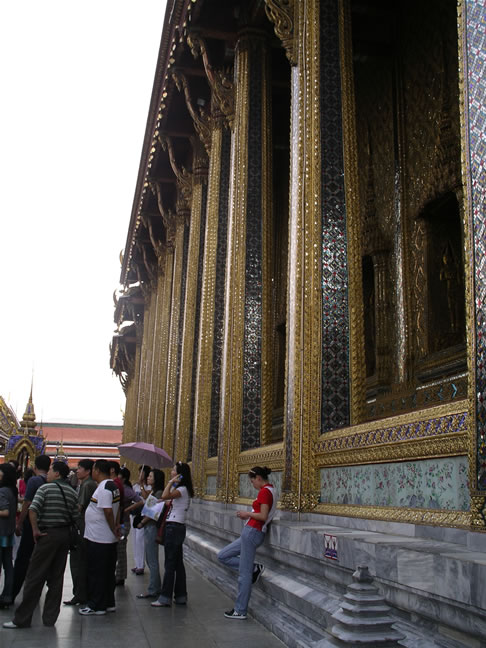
point(251, 68)
point(131, 404)
point(148, 362)
point(175, 313)
point(155, 377)
point(304, 315)
point(353, 226)
point(202, 408)
point(142, 394)
point(184, 422)
point(164, 344)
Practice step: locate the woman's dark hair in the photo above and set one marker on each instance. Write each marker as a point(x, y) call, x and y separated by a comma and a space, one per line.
point(125, 475)
point(184, 471)
point(9, 477)
point(28, 473)
point(260, 472)
point(159, 480)
point(146, 471)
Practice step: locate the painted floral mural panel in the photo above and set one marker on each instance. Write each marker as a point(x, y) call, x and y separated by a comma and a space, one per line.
point(430, 483)
point(211, 485)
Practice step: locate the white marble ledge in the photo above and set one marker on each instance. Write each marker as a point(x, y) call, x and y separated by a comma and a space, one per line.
point(479, 558)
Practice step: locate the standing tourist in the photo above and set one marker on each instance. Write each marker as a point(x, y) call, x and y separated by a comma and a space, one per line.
point(142, 489)
point(24, 528)
point(8, 512)
point(77, 558)
point(101, 534)
point(177, 495)
point(155, 481)
point(129, 498)
point(54, 506)
point(240, 554)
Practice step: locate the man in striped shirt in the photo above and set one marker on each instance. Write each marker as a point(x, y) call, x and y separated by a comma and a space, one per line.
point(50, 515)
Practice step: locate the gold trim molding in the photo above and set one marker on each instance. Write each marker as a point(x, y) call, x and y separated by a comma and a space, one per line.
point(397, 514)
point(271, 456)
point(373, 432)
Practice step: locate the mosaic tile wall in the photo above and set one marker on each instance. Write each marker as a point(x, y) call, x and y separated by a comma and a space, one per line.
point(219, 291)
point(202, 235)
point(476, 119)
point(245, 489)
point(335, 323)
point(250, 436)
point(430, 484)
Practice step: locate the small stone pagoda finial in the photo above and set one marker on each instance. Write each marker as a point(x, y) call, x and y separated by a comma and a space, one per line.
point(28, 420)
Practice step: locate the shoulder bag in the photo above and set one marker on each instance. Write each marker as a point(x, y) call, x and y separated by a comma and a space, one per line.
point(161, 522)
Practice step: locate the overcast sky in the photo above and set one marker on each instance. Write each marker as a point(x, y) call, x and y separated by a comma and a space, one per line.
point(76, 85)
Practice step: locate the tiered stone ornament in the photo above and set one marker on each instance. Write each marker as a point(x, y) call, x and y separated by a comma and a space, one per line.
point(364, 618)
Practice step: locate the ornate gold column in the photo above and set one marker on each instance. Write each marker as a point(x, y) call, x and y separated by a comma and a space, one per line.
point(131, 405)
point(246, 372)
point(165, 305)
point(185, 405)
point(207, 400)
point(142, 393)
point(472, 59)
point(148, 364)
point(304, 317)
point(155, 378)
point(214, 246)
point(175, 313)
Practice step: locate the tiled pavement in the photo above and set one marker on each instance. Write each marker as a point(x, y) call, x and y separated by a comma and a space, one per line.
point(135, 624)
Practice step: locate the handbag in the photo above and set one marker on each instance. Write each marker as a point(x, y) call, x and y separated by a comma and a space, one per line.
point(74, 531)
point(137, 518)
point(161, 522)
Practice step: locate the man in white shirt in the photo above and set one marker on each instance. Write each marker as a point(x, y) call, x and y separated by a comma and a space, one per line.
point(102, 530)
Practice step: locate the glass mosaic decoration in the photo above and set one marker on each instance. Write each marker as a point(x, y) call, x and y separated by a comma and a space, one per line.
point(219, 290)
point(250, 437)
point(335, 321)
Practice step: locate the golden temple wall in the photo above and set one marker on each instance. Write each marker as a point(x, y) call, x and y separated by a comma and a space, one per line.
point(375, 425)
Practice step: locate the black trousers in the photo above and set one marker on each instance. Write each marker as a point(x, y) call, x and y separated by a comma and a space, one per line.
point(24, 552)
point(79, 568)
point(175, 574)
point(101, 562)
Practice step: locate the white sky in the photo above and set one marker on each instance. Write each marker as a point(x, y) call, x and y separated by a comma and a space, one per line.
point(76, 81)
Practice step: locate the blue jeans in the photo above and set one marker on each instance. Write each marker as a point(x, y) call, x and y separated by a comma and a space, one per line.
point(152, 557)
point(175, 572)
point(240, 556)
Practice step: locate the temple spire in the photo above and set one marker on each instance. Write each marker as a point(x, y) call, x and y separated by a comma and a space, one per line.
point(28, 423)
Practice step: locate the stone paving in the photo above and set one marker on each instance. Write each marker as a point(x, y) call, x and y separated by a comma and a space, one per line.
point(135, 624)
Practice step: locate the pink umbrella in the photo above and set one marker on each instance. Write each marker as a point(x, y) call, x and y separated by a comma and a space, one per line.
point(146, 453)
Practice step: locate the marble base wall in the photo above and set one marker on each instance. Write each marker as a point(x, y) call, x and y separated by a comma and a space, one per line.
point(433, 577)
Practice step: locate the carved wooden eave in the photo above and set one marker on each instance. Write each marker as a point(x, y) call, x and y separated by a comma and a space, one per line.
point(219, 79)
point(177, 14)
point(282, 14)
point(201, 119)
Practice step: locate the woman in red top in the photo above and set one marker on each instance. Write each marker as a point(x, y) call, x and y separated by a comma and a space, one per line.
point(240, 554)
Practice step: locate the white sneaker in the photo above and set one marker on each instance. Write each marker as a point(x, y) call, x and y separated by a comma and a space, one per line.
point(10, 624)
point(87, 611)
point(233, 614)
